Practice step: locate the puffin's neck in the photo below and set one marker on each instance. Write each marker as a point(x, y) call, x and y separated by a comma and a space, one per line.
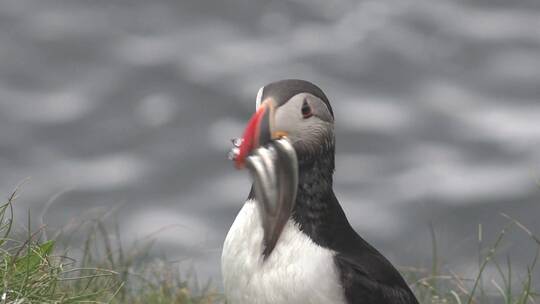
point(315, 200)
point(315, 176)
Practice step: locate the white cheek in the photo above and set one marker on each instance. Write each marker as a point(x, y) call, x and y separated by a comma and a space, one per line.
point(305, 133)
point(312, 135)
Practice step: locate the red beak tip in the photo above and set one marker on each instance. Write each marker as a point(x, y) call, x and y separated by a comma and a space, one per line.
point(249, 139)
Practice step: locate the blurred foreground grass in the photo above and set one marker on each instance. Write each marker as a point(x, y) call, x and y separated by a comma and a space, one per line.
point(33, 269)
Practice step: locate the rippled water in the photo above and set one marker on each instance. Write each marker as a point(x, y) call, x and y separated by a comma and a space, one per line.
point(131, 104)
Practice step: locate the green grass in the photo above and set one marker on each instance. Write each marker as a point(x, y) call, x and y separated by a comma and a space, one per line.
point(435, 286)
point(34, 269)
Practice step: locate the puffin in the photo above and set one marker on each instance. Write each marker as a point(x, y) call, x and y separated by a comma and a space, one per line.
point(291, 242)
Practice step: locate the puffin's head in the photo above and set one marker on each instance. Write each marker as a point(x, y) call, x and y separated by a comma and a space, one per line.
point(299, 111)
point(292, 108)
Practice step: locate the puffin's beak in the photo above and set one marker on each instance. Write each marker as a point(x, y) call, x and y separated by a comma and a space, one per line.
point(271, 160)
point(257, 132)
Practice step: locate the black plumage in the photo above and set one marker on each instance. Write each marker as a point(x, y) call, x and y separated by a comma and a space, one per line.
point(366, 275)
point(281, 91)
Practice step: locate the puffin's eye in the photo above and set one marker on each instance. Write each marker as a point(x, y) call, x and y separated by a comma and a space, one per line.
point(306, 109)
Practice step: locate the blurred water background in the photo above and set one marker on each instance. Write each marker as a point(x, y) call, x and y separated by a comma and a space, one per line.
point(131, 105)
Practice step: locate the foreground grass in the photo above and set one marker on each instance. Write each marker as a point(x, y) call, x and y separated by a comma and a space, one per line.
point(34, 270)
point(436, 286)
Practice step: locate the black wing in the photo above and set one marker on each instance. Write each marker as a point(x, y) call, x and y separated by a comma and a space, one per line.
point(377, 282)
point(366, 275)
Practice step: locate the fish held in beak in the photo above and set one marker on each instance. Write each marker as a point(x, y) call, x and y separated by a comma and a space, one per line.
point(274, 171)
point(273, 167)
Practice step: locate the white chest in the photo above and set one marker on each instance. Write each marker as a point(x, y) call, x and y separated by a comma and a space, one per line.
point(297, 271)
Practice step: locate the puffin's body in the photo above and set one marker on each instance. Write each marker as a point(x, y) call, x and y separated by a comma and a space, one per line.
point(297, 271)
point(316, 256)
